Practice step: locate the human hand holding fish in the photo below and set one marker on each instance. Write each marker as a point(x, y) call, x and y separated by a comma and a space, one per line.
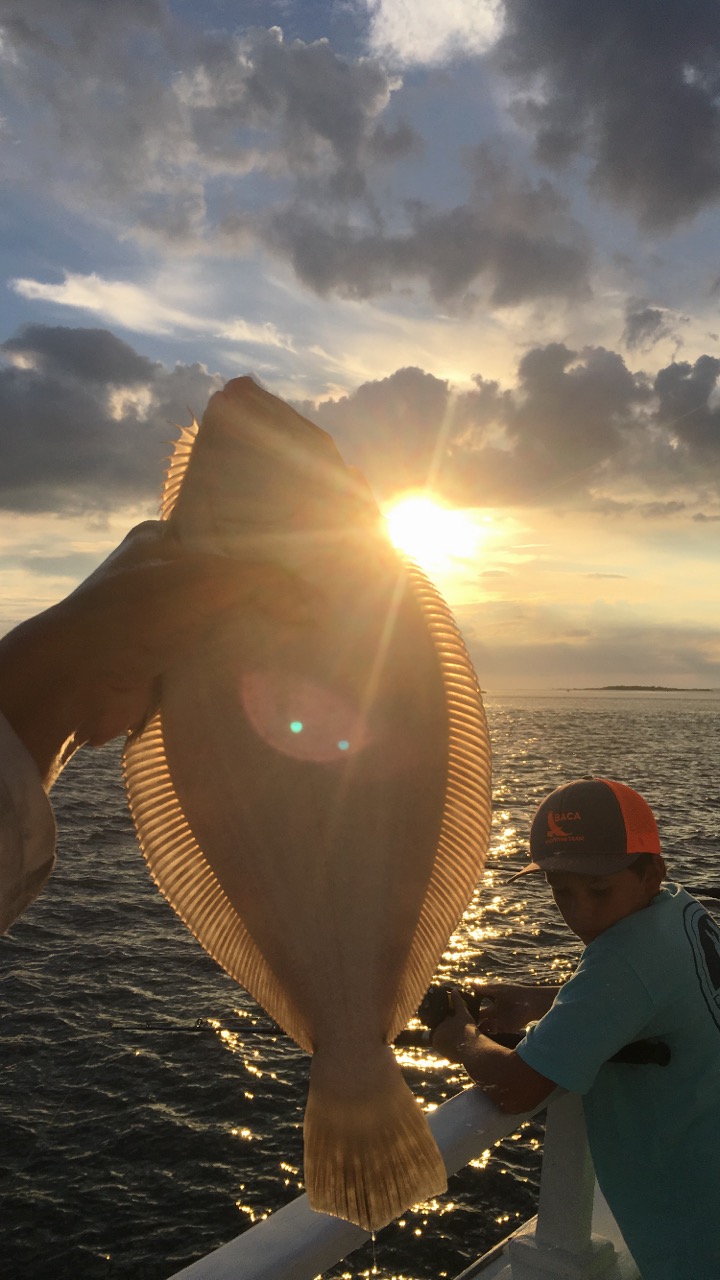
point(85, 670)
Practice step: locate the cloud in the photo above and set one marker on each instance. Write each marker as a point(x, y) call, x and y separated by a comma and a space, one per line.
point(394, 429)
point(505, 639)
point(577, 428)
point(144, 310)
point(214, 143)
point(684, 393)
point(117, 301)
point(144, 132)
point(83, 355)
point(516, 240)
point(421, 31)
point(551, 437)
point(633, 87)
point(86, 422)
point(645, 325)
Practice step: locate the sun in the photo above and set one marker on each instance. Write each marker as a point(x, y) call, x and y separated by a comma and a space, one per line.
point(439, 538)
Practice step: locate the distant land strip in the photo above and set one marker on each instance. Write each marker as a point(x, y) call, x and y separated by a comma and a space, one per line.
point(642, 688)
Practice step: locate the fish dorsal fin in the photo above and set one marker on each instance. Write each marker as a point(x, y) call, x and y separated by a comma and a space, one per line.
point(467, 814)
point(177, 466)
point(182, 873)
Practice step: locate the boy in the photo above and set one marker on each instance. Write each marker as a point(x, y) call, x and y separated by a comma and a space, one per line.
point(650, 971)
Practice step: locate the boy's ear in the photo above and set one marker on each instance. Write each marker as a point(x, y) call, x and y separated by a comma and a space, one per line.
point(656, 873)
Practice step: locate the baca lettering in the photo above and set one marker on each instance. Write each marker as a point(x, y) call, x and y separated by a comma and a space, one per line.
point(556, 832)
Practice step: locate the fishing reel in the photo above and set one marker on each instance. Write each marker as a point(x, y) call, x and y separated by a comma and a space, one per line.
point(436, 1005)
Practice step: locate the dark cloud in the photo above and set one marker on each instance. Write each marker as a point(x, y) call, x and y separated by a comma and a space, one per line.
point(161, 134)
point(573, 404)
point(646, 325)
point(684, 392)
point(633, 86)
point(544, 440)
point(573, 425)
point(85, 422)
point(88, 355)
point(147, 129)
point(516, 239)
point(661, 510)
point(395, 429)
point(562, 426)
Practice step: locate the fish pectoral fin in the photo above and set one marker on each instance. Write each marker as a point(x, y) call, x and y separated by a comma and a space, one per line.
point(369, 1152)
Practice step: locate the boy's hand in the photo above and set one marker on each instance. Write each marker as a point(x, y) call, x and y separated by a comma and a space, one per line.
point(511, 1084)
point(455, 1035)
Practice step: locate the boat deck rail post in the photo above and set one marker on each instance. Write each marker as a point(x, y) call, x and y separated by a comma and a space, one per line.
point(295, 1243)
point(560, 1243)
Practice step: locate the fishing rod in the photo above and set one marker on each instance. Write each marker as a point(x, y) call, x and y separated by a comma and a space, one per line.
point(437, 1005)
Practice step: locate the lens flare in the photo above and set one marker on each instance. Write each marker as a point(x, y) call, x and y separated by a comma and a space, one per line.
point(300, 718)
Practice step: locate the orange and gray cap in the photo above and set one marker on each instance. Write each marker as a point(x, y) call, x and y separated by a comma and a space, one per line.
point(593, 826)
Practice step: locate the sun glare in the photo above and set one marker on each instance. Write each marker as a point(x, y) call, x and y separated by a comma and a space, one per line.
point(437, 537)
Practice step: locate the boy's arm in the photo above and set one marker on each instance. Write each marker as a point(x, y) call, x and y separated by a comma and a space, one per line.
point(512, 1085)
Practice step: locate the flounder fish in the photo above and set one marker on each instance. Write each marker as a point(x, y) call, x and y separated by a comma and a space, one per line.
point(315, 801)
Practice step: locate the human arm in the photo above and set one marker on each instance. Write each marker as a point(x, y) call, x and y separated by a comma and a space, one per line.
point(85, 670)
point(512, 1085)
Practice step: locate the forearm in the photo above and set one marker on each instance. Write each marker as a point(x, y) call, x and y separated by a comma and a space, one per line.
point(34, 689)
point(512, 1085)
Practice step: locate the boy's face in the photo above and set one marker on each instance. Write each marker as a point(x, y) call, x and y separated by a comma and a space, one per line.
point(591, 904)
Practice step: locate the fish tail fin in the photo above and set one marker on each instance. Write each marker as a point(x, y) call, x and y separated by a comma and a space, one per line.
point(369, 1152)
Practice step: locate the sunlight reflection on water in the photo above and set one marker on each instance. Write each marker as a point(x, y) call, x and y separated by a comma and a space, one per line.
point(148, 1114)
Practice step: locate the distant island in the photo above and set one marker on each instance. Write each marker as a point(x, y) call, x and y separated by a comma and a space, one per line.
point(639, 688)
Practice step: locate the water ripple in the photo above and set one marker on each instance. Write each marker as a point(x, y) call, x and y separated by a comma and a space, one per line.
point(148, 1113)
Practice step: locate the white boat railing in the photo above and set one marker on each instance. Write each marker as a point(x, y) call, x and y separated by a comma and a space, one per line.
point(573, 1237)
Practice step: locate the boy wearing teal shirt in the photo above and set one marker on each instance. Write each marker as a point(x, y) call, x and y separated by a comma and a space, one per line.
point(650, 972)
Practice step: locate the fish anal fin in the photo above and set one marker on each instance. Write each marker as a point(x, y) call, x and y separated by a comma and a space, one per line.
point(369, 1152)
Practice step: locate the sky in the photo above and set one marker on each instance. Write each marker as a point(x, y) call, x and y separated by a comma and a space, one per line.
point(477, 241)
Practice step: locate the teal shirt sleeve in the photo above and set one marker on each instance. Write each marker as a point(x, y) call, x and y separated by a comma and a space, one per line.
point(603, 1007)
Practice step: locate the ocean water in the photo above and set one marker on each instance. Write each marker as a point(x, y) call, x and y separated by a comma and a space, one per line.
point(147, 1115)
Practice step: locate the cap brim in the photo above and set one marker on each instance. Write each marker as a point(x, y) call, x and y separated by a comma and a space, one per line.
point(531, 866)
point(584, 864)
